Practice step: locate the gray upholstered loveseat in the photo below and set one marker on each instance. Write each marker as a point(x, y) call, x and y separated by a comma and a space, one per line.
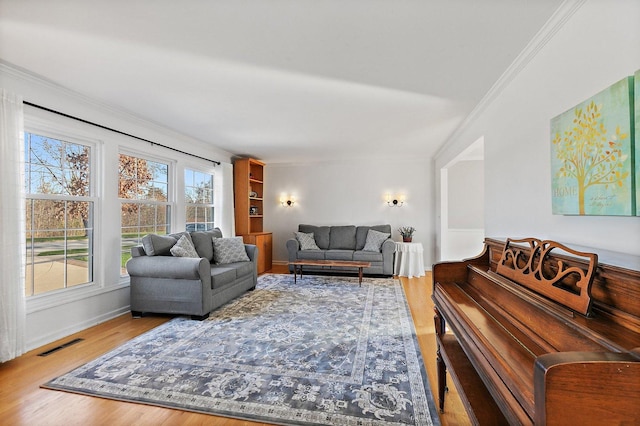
point(344, 243)
point(162, 282)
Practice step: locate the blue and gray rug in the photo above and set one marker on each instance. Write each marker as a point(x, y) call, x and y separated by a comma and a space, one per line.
point(321, 352)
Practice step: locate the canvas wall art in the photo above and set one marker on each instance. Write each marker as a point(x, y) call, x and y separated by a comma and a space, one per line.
point(591, 155)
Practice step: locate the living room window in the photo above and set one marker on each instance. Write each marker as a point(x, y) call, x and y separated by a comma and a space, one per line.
point(59, 213)
point(199, 200)
point(144, 198)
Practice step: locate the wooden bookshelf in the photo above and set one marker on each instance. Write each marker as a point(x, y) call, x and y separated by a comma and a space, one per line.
point(248, 179)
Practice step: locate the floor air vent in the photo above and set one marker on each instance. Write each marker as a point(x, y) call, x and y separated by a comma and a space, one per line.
point(62, 346)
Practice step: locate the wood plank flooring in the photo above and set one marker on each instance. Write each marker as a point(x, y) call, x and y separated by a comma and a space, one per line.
point(23, 402)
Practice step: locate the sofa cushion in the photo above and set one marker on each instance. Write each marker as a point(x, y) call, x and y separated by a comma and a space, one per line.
point(229, 250)
point(202, 241)
point(222, 275)
point(311, 254)
point(243, 268)
point(307, 242)
point(339, 255)
point(367, 256)
point(342, 238)
point(320, 234)
point(184, 248)
point(362, 231)
point(158, 245)
point(375, 240)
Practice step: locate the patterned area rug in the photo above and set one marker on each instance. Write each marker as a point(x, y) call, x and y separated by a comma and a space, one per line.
point(321, 352)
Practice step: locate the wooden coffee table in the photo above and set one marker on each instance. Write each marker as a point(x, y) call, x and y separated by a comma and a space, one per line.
point(298, 264)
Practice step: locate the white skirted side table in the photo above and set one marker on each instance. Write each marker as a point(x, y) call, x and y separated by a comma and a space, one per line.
point(409, 260)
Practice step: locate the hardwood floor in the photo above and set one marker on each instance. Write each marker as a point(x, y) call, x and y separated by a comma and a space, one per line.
point(23, 402)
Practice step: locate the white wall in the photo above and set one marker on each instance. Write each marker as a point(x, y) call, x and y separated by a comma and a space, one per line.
point(350, 193)
point(596, 47)
point(466, 195)
point(58, 314)
point(462, 228)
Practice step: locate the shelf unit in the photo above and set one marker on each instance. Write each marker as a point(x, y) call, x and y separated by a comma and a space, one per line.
point(248, 179)
point(248, 191)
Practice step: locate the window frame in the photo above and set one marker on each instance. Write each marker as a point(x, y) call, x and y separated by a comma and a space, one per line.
point(65, 133)
point(170, 203)
point(212, 205)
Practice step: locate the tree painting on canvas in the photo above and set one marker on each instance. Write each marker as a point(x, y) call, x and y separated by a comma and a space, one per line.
point(591, 155)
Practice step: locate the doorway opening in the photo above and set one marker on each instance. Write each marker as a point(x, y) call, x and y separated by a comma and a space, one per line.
point(462, 204)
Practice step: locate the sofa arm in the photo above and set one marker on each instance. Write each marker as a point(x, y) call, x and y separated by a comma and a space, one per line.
point(388, 251)
point(388, 246)
point(292, 248)
point(252, 252)
point(188, 268)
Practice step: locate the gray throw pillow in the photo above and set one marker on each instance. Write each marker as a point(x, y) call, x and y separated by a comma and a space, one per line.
point(374, 240)
point(306, 240)
point(184, 248)
point(229, 250)
point(157, 245)
point(362, 231)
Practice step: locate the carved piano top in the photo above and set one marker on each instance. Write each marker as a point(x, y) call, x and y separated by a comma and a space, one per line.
point(525, 309)
point(615, 290)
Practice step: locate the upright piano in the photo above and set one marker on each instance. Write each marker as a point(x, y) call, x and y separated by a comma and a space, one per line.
point(535, 332)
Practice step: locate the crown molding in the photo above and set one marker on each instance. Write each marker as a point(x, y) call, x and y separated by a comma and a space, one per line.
point(559, 18)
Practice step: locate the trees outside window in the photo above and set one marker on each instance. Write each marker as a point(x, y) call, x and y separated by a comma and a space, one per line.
point(143, 189)
point(59, 214)
point(199, 200)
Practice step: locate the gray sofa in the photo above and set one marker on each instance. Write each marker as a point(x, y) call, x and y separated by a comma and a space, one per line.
point(163, 283)
point(344, 243)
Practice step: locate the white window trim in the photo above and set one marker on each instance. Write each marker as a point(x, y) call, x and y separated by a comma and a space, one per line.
point(197, 168)
point(171, 192)
point(64, 131)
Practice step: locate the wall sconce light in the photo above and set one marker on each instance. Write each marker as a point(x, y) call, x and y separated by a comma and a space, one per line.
point(396, 201)
point(287, 201)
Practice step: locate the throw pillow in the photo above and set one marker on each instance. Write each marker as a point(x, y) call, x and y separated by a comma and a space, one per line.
point(203, 244)
point(157, 245)
point(321, 234)
point(363, 230)
point(306, 240)
point(374, 240)
point(229, 250)
point(184, 248)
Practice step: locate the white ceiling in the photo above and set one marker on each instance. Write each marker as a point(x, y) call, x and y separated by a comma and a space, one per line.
point(280, 80)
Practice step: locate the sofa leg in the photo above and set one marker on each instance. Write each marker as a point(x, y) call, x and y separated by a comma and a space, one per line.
point(252, 288)
point(136, 314)
point(200, 317)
